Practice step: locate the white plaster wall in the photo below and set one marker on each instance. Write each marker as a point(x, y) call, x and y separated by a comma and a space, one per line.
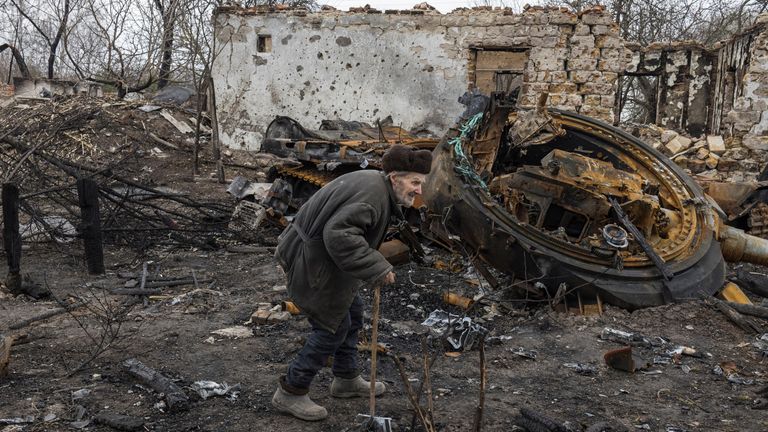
point(334, 68)
point(363, 67)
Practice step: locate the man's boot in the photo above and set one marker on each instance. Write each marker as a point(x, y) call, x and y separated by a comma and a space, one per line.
point(300, 406)
point(354, 387)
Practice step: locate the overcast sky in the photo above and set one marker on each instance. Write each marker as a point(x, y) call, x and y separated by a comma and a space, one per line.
point(443, 6)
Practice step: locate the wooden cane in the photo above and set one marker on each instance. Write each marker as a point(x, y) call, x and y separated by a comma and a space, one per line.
point(374, 344)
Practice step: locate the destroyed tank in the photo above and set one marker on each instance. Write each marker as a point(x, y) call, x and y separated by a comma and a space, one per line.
point(562, 203)
point(571, 204)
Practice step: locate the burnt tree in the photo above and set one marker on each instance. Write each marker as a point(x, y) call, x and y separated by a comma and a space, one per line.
point(168, 13)
point(88, 193)
point(11, 236)
point(44, 28)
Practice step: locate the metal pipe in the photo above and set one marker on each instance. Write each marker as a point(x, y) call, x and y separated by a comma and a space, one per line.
point(738, 246)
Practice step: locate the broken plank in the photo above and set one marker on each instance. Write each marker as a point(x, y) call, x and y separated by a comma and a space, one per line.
point(174, 396)
point(45, 315)
point(135, 291)
point(179, 125)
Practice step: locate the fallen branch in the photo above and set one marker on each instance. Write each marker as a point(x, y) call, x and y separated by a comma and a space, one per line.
point(46, 315)
point(427, 381)
point(411, 397)
point(733, 315)
point(250, 249)
point(135, 291)
point(6, 342)
point(481, 398)
point(756, 283)
point(174, 396)
point(163, 142)
point(5, 354)
point(749, 309)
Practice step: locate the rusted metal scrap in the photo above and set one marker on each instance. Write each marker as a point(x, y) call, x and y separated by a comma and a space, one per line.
point(535, 202)
point(337, 148)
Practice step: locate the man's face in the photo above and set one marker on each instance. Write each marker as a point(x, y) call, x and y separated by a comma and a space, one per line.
point(407, 186)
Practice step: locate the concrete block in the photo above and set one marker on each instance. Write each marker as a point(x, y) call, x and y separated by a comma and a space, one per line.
point(681, 161)
point(727, 164)
point(712, 161)
point(581, 29)
point(696, 166)
point(592, 18)
point(667, 135)
point(674, 146)
point(750, 166)
point(582, 63)
point(608, 41)
point(716, 144)
point(702, 153)
point(736, 153)
point(755, 143)
point(685, 141)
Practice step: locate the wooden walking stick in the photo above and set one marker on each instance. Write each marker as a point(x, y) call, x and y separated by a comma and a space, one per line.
point(371, 422)
point(374, 344)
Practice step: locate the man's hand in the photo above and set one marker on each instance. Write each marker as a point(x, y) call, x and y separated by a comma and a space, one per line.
point(389, 278)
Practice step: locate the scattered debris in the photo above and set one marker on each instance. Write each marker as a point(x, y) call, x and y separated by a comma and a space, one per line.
point(266, 313)
point(458, 300)
point(80, 394)
point(207, 389)
point(17, 420)
point(632, 339)
point(175, 397)
point(236, 332)
point(761, 343)
point(623, 359)
point(582, 368)
point(241, 188)
point(118, 421)
point(730, 371)
point(524, 353)
point(464, 334)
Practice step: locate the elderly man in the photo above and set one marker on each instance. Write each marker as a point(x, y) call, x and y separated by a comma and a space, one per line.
point(328, 251)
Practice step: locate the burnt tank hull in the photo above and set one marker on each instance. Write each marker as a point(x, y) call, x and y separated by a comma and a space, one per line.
point(462, 206)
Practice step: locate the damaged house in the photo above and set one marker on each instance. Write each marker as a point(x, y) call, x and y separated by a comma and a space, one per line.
point(365, 65)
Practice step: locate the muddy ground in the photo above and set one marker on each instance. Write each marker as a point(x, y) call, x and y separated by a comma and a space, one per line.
point(174, 336)
point(175, 339)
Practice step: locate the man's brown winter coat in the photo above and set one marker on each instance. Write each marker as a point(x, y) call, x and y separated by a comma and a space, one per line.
point(330, 249)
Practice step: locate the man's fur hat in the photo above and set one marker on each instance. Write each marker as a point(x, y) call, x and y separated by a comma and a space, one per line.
point(406, 158)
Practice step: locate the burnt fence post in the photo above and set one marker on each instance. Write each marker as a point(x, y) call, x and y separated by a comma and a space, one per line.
point(11, 236)
point(88, 194)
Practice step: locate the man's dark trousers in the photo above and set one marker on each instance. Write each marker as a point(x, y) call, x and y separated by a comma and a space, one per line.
point(321, 344)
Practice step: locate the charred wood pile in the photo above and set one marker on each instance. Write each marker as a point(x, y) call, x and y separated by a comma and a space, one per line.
point(79, 162)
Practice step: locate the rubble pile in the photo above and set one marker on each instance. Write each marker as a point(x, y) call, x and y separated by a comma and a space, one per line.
point(711, 157)
point(122, 146)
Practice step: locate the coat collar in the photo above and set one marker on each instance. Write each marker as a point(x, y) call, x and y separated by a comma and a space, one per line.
point(397, 212)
